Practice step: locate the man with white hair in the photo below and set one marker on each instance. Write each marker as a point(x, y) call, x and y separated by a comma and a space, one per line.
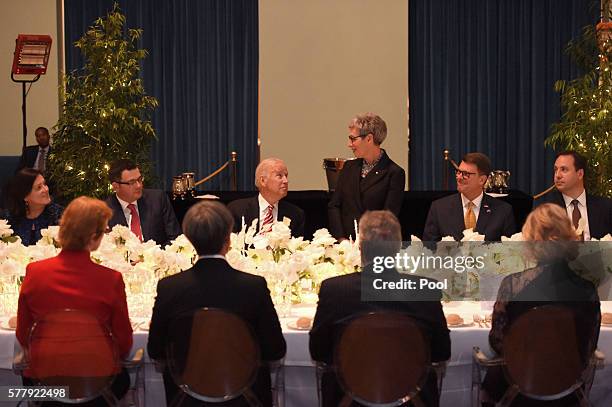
point(271, 181)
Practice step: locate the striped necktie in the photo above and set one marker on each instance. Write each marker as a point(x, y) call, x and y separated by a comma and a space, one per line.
point(266, 225)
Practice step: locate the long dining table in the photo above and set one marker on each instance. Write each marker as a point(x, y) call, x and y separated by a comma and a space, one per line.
point(300, 377)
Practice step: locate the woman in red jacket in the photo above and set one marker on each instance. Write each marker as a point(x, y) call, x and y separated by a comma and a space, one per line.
point(71, 280)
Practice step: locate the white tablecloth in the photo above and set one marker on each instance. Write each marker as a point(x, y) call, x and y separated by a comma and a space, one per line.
point(300, 382)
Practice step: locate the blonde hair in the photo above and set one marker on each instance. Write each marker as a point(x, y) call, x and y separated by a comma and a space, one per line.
point(83, 218)
point(549, 223)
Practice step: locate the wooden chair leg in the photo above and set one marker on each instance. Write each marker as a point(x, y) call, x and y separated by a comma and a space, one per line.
point(346, 401)
point(251, 398)
point(510, 394)
point(109, 397)
point(178, 399)
point(417, 402)
point(582, 399)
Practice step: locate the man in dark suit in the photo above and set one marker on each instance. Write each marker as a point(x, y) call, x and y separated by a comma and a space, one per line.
point(471, 208)
point(371, 182)
point(271, 181)
point(36, 156)
point(570, 194)
point(342, 297)
point(147, 212)
point(212, 282)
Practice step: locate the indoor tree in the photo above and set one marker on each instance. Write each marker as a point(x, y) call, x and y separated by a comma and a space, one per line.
point(586, 123)
point(105, 111)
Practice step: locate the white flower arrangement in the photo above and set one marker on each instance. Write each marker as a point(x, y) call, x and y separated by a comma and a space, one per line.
point(284, 260)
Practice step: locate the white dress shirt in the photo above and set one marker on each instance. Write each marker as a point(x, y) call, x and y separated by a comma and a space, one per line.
point(582, 207)
point(126, 211)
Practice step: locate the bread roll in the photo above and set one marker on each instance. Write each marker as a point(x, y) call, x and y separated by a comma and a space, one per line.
point(454, 319)
point(12, 322)
point(303, 322)
point(606, 318)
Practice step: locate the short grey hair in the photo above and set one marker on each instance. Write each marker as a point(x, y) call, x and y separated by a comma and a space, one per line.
point(380, 234)
point(263, 169)
point(208, 225)
point(368, 123)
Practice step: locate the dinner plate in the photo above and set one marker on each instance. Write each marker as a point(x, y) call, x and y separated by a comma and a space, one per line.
point(494, 195)
point(606, 325)
point(144, 326)
point(4, 325)
point(293, 325)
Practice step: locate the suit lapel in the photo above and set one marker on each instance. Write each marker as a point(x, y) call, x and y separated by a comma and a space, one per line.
point(356, 187)
point(456, 214)
point(376, 173)
point(281, 211)
point(593, 214)
point(484, 214)
point(118, 215)
point(252, 211)
point(143, 215)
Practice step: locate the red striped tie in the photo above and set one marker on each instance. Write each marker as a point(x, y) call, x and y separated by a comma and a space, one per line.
point(266, 225)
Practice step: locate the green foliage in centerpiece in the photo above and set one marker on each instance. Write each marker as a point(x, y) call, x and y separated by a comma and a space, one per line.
point(586, 124)
point(105, 111)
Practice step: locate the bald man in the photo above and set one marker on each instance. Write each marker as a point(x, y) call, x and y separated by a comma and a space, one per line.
point(271, 179)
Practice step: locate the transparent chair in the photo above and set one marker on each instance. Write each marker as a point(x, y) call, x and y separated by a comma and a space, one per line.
point(72, 348)
point(542, 358)
point(213, 356)
point(382, 359)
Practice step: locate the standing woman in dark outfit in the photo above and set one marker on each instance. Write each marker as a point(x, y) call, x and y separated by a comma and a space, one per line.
point(28, 206)
point(371, 182)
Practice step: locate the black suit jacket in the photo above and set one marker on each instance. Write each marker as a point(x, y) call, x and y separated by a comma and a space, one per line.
point(214, 283)
point(340, 297)
point(599, 211)
point(445, 218)
point(249, 208)
point(28, 157)
point(382, 188)
point(157, 218)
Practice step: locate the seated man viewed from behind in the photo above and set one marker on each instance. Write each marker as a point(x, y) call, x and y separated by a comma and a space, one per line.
point(213, 283)
point(271, 179)
point(471, 208)
point(342, 297)
point(551, 282)
point(147, 212)
point(71, 280)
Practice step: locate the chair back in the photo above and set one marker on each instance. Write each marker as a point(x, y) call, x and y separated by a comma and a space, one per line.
point(382, 358)
point(72, 348)
point(212, 354)
point(542, 353)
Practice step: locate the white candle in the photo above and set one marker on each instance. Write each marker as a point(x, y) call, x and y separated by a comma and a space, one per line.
point(356, 232)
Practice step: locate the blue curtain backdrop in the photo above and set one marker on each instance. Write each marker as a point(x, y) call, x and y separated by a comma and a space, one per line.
point(481, 76)
point(203, 68)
